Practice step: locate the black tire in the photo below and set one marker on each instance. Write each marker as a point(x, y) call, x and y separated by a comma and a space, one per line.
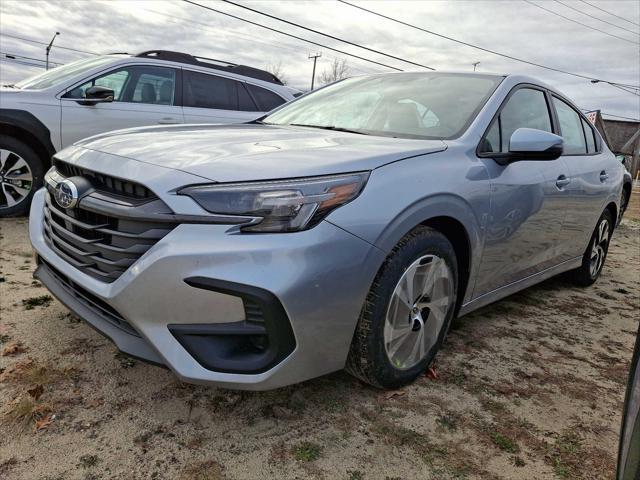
point(37, 171)
point(367, 359)
point(586, 275)
point(624, 203)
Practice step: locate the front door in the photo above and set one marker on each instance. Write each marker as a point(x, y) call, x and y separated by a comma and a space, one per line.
point(143, 95)
point(527, 198)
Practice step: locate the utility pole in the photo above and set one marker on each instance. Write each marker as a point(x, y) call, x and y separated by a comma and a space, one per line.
point(313, 75)
point(49, 49)
point(475, 64)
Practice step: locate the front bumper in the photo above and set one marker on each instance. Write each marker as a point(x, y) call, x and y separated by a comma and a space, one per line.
point(320, 277)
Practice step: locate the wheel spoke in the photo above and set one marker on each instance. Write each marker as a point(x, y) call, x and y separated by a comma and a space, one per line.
point(9, 198)
point(417, 311)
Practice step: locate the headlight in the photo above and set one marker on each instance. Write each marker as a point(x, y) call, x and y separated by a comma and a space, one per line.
point(281, 206)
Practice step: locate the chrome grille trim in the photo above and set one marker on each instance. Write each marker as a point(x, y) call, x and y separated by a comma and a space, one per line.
point(103, 243)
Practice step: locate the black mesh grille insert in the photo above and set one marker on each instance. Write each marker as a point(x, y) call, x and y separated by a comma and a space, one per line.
point(106, 183)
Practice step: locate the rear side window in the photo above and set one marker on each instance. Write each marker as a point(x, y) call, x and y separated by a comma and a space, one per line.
point(526, 108)
point(570, 128)
point(267, 100)
point(210, 91)
point(590, 136)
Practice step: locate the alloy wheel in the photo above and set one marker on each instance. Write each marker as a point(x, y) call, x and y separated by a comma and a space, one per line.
point(16, 179)
point(599, 248)
point(417, 311)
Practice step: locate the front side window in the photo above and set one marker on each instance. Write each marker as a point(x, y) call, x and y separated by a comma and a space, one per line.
point(526, 108)
point(405, 105)
point(570, 128)
point(135, 84)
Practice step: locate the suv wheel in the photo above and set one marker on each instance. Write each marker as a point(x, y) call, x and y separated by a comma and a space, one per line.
point(596, 253)
point(407, 312)
point(20, 176)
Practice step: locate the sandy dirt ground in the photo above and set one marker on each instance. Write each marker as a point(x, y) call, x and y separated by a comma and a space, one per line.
point(530, 387)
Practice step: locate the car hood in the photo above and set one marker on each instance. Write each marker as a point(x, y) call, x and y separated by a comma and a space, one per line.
point(231, 153)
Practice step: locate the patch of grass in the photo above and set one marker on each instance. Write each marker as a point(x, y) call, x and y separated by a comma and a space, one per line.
point(504, 443)
point(448, 421)
point(4, 339)
point(355, 475)
point(40, 301)
point(565, 455)
point(125, 360)
point(88, 461)
point(306, 451)
point(26, 410)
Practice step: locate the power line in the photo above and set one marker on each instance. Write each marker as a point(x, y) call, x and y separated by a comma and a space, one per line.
point(580, 23)
point(293, 36)
point(608, 12)
point(15, 56)
point(595, 18)
point(328, 35)
point(493, 52)
point(10, 60)
point(254, 40)
point(45, 43)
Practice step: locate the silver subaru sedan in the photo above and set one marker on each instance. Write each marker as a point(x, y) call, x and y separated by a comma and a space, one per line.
point(343, 230)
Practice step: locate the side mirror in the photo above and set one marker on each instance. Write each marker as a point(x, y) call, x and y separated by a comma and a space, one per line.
point(97, 94)
point(533, 144)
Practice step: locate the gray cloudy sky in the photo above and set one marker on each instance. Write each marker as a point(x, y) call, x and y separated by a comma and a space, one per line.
point(513, 27)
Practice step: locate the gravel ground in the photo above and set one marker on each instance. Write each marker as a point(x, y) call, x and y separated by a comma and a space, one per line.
point(530, 387)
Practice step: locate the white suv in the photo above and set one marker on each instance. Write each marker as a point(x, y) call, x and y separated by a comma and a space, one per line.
point(50, 111)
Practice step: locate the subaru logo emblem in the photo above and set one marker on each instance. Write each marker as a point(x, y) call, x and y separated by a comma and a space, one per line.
point(66, 194)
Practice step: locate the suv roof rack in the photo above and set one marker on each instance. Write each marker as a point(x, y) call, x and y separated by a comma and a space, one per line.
point(211, 63)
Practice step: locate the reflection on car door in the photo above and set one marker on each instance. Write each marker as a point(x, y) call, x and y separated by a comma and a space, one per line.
point(527, 211)
point(589, 180)
point(143, 95)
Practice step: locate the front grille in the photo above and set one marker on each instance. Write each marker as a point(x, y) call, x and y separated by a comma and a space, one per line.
point(94, 303)
point(101, 245)
point(105, 183)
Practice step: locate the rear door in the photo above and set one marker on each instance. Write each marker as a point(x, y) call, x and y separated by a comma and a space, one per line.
point(590, 182)
point(215, 99)
point(143, 95)
point(527, 212)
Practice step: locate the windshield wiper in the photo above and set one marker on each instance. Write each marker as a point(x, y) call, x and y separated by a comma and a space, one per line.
point(329, 127)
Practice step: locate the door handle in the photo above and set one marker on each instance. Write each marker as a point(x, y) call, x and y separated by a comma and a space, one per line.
point(562, 182)
point(168, 121)
point(603, 176)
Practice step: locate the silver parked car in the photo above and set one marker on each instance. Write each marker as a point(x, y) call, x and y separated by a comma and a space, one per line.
point(345, 229)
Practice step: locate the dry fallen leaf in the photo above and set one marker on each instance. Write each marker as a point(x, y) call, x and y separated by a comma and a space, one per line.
point(431, 373)
point(36, 391)
point(13, 348)
point(44, 422)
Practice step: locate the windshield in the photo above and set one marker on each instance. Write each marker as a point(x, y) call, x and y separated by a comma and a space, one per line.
point(406, 105)
point(62, 73)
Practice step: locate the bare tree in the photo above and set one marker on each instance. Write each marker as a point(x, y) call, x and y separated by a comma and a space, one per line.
point(277, 70)
point(338, 69)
